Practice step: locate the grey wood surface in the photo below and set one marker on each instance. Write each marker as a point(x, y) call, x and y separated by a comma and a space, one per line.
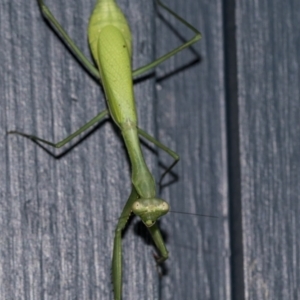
point(268, 43)
point(191, 119)
point(59, 208)
point(58, 214)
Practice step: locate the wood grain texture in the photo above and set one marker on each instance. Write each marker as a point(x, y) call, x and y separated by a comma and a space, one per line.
point(191, 119)
point(268, 58)
point(59, 208)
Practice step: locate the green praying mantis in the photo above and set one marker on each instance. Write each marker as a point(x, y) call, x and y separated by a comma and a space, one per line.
point(110, 43)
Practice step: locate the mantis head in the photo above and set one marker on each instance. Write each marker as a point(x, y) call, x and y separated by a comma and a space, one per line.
point(149, 210)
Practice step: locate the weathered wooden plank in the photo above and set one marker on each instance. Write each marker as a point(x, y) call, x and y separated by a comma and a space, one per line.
point(191, 120)
point(58, 214)
point(268, 96)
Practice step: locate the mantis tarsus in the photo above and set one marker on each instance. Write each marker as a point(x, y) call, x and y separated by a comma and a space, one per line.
point(110, 43)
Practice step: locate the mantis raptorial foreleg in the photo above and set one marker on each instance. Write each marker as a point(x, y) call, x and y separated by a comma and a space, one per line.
point(110, 43)
point(117, 252)
point(126, 212)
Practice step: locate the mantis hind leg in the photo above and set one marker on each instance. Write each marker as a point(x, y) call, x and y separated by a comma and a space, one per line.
point(163, 147)
point(159, 60)
point(90, 66)
point(70, 43)
point(93, 121)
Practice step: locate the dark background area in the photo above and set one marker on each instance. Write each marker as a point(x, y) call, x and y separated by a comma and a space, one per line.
point(229, 106)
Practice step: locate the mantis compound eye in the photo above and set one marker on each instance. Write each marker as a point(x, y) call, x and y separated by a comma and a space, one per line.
point(149, 210)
